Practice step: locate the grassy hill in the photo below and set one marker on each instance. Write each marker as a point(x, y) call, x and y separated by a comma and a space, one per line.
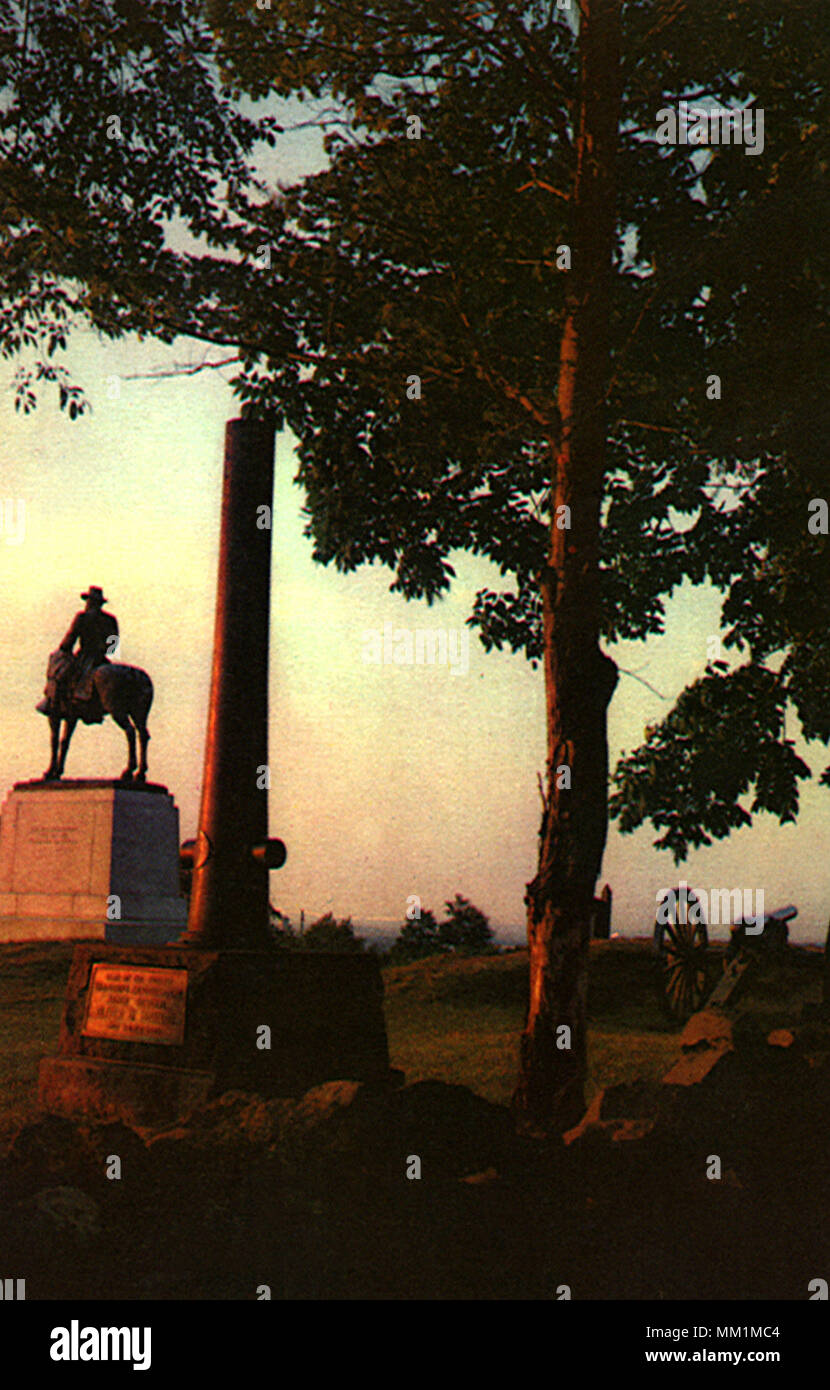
point(454, 1020)
point(459, 1020)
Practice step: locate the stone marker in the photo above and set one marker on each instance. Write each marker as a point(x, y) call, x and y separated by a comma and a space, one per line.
point(148, 1034)
point(90, 859)
point(601, 915)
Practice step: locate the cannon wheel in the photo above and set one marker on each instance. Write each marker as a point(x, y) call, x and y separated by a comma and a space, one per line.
point(681, 946)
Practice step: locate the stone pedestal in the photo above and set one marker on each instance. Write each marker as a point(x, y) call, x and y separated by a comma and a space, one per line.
point(147, 1035)
point(90, 859)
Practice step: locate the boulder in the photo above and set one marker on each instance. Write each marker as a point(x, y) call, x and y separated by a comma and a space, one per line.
point(64, 1215)
point(216, 1147)
point(58, 1152)
point(707, 1028)
point(345, 1131)
point(618, 1113)
point(234, 1118)
point(695, 1067)
point(44, 1154)
point(485, 1179)
point(322, 1107)
point(705, 1040)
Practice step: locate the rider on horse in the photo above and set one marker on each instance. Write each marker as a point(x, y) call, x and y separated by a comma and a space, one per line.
point(96, 634)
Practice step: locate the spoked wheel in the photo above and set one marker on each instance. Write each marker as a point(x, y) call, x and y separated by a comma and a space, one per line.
point(681, 940)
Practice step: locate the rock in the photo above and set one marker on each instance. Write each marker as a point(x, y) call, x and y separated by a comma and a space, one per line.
point(234, 1119)
point(218, 1118)
point(707, 1028)
point(114, 1139)
point(43, 1155)
point(485, 1179)
point(58, 1152)
point(347, 1132)
point(618, 1113)
point(705, 1040)
point(263, 1121)
point(448, 1126)
point(630, 1099)
point(60, 1213)
point(590, 1120)
point(343, 1131)
point(319, 1138)
point(694, 1068)
point(631, 1129)
point(238, 1135)
point(323, 1105)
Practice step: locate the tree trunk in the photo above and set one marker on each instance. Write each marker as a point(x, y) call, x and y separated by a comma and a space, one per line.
point(579, 678)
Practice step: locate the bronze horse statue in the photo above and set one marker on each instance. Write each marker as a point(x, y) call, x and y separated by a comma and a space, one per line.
point(125, 692)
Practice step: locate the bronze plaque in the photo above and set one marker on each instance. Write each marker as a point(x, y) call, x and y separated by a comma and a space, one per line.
point(136, 1004)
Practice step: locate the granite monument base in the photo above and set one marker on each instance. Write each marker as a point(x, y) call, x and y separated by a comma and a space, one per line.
point(90, 859)
point(149, 1034)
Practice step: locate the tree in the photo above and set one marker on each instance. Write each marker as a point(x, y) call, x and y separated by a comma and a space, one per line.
point(329, 934)
point(496, 323)
point(579, 677)
point(465, 928)
point(417, 938)
point(113, 127)
point(432, 393)
point(281, 927)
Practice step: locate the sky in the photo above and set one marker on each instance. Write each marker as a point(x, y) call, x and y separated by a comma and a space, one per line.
point(388, 781)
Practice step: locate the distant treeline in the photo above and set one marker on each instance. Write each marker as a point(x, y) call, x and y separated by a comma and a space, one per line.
point(464, 930)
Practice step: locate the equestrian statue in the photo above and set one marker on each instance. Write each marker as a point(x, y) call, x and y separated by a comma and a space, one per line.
point(85, 684)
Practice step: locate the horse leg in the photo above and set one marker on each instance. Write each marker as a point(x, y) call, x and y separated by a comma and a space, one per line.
point(54, 729)
point(68, 731)
point(143, 740)
point(123, 722)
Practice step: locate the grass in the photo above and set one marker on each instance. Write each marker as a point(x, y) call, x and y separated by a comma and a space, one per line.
point(459, 1020)
point(32, 987)
point(455, 1020)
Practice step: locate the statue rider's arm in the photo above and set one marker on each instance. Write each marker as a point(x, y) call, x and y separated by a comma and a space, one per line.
point(72, 636)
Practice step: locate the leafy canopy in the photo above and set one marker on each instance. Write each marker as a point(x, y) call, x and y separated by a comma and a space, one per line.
point(439, 258)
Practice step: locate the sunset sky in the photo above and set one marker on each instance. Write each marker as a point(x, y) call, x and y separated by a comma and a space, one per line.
point(387, 780)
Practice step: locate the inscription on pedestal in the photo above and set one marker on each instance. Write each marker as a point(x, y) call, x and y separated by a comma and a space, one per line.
point(53, 835)
point(132, 1004)
point(52, 852)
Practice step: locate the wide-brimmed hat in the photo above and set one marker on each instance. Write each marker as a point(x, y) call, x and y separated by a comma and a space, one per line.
point(96, 593)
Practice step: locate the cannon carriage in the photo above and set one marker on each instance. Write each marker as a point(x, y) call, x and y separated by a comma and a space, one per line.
point(687, 974)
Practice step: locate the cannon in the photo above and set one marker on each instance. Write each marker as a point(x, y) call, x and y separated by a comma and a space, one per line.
point(772, 938)
point(686, 965)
